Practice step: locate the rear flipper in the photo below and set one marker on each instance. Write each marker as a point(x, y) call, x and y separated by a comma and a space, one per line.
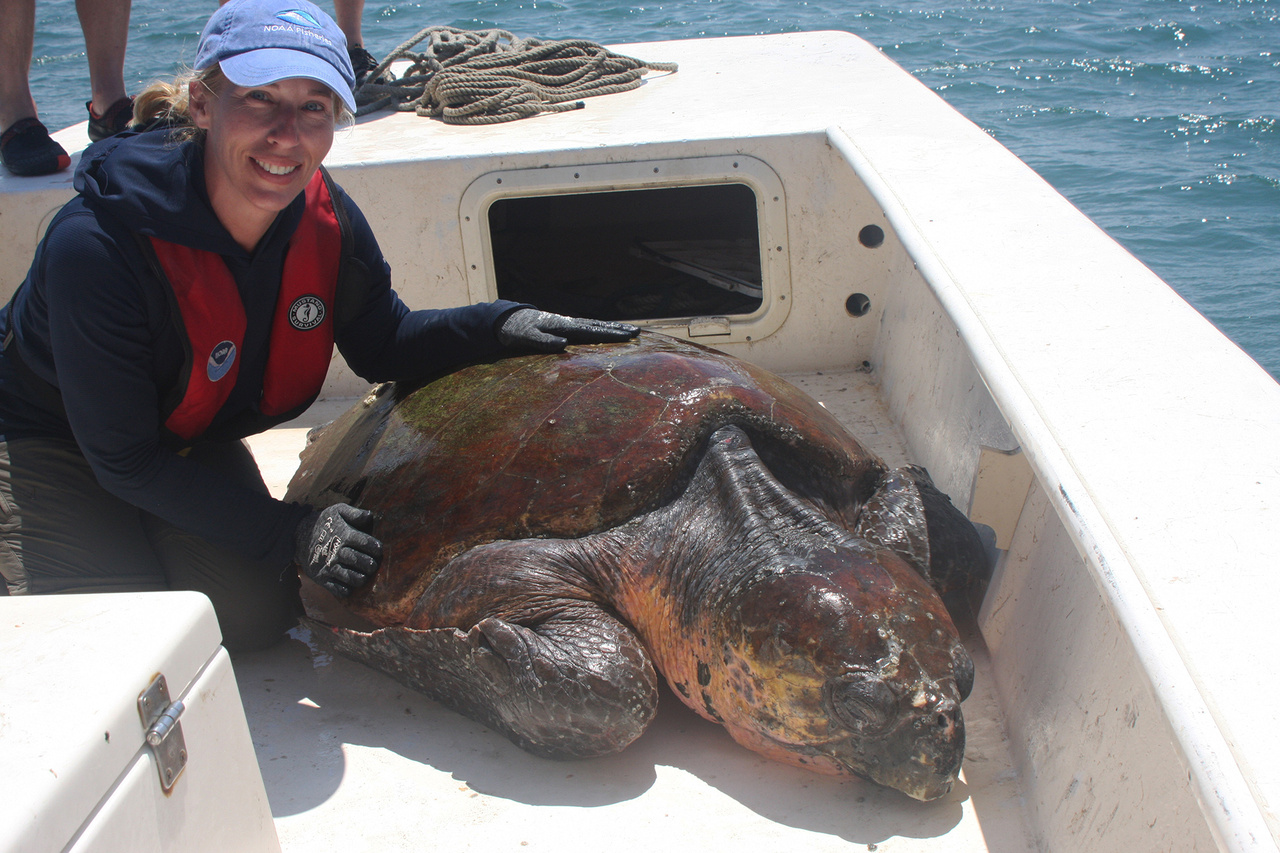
point(576, 687)
point(909, 515)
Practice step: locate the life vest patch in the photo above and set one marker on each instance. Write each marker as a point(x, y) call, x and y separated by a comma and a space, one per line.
point(306, 312)
point(220, 360)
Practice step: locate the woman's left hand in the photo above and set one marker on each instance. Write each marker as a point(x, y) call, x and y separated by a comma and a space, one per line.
point(540, 331)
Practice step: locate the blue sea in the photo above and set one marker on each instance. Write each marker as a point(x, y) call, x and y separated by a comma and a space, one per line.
point(1160, 119)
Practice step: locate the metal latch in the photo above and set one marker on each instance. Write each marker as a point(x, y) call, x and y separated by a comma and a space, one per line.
point(164, 732)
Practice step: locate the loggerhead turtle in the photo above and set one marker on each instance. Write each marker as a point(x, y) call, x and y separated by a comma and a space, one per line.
point(557, 526)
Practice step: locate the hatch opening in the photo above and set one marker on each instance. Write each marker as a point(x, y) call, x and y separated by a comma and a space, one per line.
point(642, 254)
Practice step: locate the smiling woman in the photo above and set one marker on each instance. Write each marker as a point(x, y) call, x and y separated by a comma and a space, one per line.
point(268, 87)
point(190, 295)
point(263, 145)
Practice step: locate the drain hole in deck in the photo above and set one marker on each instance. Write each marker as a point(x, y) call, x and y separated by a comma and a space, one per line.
point(631, 255)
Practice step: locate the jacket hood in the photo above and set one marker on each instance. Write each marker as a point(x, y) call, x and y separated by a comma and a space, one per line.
point(155, 186)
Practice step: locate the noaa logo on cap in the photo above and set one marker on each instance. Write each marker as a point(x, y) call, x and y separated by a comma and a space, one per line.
point(297, 16)
point(306, 312)
point(220, 360)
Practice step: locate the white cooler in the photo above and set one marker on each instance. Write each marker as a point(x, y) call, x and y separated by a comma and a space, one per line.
point(94, 756)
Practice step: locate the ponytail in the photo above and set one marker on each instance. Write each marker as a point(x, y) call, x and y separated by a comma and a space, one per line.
point(168, 103)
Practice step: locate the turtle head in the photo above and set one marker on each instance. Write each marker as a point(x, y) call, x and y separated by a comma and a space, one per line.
point(845, 662)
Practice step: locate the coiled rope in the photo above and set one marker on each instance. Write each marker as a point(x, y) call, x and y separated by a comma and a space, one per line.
point(487, 77)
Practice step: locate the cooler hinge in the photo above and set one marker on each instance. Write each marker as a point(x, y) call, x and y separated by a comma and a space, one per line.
point(164, 732)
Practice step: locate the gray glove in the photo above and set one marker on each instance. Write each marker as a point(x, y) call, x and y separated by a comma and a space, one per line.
point(334, 549)
point(531, 329)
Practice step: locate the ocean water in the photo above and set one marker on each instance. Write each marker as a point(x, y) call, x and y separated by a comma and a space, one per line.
point(1160, 119)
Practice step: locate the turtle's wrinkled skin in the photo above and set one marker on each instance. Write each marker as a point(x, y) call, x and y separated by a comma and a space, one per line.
point(557, 526)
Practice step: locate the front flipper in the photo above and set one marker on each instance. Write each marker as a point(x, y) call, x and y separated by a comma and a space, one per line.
point(572, 687)
point(909, 515)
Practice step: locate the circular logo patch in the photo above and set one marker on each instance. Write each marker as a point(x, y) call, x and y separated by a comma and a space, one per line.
point(220, 360)
point(306, 312)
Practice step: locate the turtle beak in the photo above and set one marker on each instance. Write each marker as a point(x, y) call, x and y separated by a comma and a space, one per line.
point(932, 768)
point(936, 763)
point(917, 749)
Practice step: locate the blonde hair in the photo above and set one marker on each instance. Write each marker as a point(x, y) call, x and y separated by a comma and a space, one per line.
point(168, 103)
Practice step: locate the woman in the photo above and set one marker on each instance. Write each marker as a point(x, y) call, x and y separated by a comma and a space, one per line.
point(190, 295)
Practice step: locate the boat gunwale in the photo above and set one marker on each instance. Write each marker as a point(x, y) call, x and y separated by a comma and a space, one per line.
point(1219, 783)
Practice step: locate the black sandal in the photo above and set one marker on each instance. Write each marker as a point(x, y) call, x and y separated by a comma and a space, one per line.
point(362, 63)
point(117, 118)
point(26, 149)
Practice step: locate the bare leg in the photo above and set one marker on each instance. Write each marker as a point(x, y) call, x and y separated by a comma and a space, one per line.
point(16, 36)
point(106, 33)
point(347, 15)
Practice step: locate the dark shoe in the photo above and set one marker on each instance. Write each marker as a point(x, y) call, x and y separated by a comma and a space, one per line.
point(118, 117)
point(26, 149)
point(362, 63)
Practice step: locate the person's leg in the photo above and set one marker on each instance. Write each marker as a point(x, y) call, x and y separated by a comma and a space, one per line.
point(61, 532)
point(347, 15)
point(25, 146)
point(16, 36)
point(105, 24)
point(256, 602)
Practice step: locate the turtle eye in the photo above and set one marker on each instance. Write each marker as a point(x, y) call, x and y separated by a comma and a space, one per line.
point(963, 671)
point(860, 702)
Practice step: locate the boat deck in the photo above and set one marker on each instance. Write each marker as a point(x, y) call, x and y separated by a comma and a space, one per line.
point(353, 761)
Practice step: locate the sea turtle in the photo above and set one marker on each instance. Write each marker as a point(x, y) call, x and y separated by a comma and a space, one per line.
point(557, 526)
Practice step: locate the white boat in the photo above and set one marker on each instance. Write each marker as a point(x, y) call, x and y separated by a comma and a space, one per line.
point(953, 310)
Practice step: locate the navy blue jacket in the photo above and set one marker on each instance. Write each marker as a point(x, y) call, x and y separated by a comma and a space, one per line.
point(92, 320)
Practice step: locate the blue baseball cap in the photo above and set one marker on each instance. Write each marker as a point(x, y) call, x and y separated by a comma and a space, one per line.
point(261, 41)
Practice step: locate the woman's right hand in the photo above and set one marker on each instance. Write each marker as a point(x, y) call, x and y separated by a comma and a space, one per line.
point(335, 549)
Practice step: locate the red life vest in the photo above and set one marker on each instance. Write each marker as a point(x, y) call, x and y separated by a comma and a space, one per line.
point(213, 318)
